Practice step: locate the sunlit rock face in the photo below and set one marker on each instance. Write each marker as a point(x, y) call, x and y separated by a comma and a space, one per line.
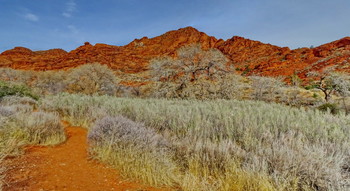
point(249, 57)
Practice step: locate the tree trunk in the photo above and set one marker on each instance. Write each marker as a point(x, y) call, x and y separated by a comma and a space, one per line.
point(345, 107)
point(327, 96)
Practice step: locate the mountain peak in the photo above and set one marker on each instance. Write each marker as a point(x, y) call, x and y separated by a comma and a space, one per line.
point(188, 28)
point(250, 57)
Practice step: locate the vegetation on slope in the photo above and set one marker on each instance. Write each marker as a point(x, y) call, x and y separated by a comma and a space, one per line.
point(195, 73)
point(214, 145)
point(12, 89)
point(218, 144)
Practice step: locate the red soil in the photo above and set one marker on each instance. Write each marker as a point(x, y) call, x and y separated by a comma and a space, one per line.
point(65, 167)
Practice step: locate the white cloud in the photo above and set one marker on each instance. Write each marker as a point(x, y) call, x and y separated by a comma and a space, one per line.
point(73, 29)
point(66, 14)
point(31, 17)
point(70, 8)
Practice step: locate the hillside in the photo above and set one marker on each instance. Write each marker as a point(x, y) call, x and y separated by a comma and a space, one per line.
point(250, 57)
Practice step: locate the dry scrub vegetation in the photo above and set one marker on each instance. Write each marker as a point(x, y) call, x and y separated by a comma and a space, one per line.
point(214, 145)
point(20, 126)
point(193, 74)
point(205, 136)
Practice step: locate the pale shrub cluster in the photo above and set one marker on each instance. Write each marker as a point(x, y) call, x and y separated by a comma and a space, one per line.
point(15, 100)
point(6, 111)
point(226, 145)
point(119, 140)
point(92, 79)
point(120, 130)
point(193, 74)
point(88, 79)
point(41, 128)
point(207, 74)
point(20, 126)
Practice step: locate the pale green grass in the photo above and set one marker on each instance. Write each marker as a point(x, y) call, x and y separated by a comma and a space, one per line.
point(224, 145)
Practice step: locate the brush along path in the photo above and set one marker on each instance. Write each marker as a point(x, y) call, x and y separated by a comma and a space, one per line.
point(64, 167)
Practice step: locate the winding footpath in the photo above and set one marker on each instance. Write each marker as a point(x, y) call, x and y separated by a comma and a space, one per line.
point(65, 167)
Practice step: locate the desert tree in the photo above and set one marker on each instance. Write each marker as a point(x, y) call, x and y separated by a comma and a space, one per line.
point(330, 82)
point(192, 65)
point(342, 86)
point(265, 87)
point(233, 86)
point(92, 79)
point(295, 80)
point(22, 76)
point(51, 82)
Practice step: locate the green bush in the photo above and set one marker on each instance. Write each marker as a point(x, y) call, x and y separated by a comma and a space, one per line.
point(332, 107)
point(8, 89)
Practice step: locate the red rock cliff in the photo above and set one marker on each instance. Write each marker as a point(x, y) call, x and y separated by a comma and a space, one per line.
point(250, 57)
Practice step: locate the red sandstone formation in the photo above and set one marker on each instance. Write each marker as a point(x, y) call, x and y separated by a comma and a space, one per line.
point(250, 57)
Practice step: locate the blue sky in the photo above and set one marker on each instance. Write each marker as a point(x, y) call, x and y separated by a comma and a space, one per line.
point(67, 24)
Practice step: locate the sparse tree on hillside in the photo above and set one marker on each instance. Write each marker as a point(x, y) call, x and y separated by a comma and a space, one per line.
point(295, 80)
point(92, 79)
point(191, 64)
point(192, 67)
point(233, 86)
point(329, 82)
point(264, 88)
point(9, 74)
point(51, 82)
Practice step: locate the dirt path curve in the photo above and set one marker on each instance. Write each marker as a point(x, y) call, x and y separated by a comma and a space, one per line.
point(64, 167)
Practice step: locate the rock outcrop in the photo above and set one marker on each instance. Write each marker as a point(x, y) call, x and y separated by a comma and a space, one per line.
point(249, 57)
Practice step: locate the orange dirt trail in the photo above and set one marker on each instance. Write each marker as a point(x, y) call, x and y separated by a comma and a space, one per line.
point(64, 167)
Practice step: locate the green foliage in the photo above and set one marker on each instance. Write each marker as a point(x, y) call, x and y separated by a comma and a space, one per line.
point(331, 107)
point(246, 70)
point(295, 80)
point(310, 87)
point(330, 82)
point(8, 89)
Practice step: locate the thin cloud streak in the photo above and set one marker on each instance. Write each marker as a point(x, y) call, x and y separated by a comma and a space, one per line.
point(73, 29)
point(70, 8)
point(31, 17)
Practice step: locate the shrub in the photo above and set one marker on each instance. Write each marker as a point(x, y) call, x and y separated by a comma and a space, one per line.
point(125, 131)
point(6, 111)
point(92, 79)
point(18, 76)
point(7, 89)
point(41, 128)
point(51, 82)
point(330, 82)
point(131, 147)
point(265, 88)
point(13, 100)
point(192, 74)
point(20, 127)
point(87, 79)
point(225, 144)
point(331, 107)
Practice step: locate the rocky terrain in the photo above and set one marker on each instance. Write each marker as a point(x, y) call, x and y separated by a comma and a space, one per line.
point(249, 57)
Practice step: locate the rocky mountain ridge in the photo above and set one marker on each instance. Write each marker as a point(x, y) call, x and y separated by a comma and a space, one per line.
point(249, 57)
